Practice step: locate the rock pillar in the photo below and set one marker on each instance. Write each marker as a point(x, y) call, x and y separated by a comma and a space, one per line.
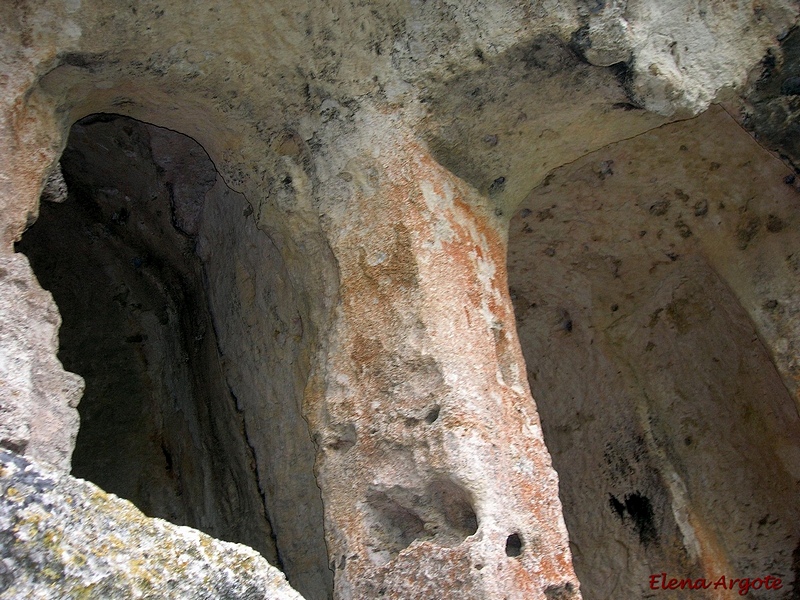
point(434, 475)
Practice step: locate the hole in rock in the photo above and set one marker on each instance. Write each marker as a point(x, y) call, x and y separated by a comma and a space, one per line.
point(441, 512)
point(433, 414)
point(513, 545)
point(671, 419)
point(396, 526)
point(178, 313)
point(560, 592)
point(454, 503)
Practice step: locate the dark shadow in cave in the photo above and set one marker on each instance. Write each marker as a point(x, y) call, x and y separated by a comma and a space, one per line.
point(161, 424)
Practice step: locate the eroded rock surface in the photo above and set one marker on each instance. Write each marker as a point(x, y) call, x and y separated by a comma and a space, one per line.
point(654, 283)
point(183, 414)
point(39, 417)
point(352, 250)
point(65, 538)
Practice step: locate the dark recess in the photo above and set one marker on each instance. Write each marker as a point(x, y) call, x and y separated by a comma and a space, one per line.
point(514, 545)
point(639, 510)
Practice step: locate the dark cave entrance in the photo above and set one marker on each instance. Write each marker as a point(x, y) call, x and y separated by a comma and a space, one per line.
point(181, 414)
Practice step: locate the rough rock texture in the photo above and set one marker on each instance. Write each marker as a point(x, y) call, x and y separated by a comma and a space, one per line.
point(158, 425)
point(182, 414)
point(266, 339)
point(39, 397)
point(655, 284)
point(773, 99)
point(423, 369)
point(354, 260)
point(66, 538)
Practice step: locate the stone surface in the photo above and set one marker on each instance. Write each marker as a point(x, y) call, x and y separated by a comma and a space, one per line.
point(181, 415)
point(66, 538)
point(55, 188)
point(430, 448)
point(39, 397)
point(158, 426)
point(266, 340)
point(654, 283)
point(773, 99)
point(353, 251)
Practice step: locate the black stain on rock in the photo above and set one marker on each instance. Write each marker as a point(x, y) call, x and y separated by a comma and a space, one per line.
point(498, 185)
point(580, 42)
point(637, 508)
point(82, 60)
point(701, 208)
point(683, 228)
point(790, 86)
point(772, 99)
point(775, 224)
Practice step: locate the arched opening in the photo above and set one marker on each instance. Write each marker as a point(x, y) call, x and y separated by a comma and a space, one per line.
point(179, 313)
point(653, 283)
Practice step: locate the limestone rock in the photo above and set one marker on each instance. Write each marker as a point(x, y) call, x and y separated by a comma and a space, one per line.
point(39, 397)
point(330, 305)
point(652, 282)
point(773, 98)
point(686, 55)
point(55, 188)
point(65, 538)
point(181, 415)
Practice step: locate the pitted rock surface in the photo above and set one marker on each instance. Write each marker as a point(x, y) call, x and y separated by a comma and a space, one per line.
point(65, 538)
point(331, 342)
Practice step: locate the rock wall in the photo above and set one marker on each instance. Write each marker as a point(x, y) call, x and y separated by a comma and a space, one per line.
point(351, 252)
point(156, 416)
point(653, 283)
point(266, 340)
point(192, 359)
